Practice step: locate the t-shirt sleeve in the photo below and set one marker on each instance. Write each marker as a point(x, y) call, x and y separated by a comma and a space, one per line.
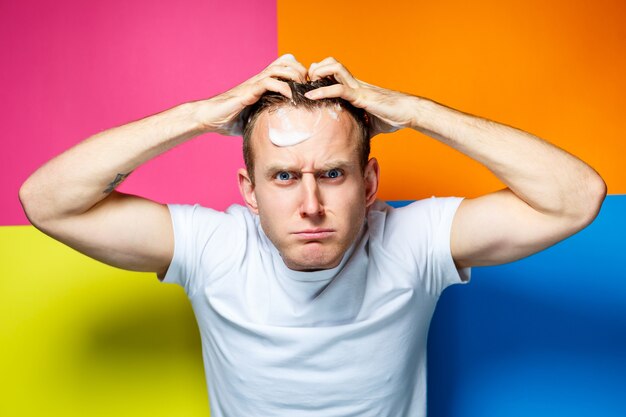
point(206, 243)
point(425, 228)
point(443, 263)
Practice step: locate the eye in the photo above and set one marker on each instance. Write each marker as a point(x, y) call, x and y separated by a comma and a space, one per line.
point(333, 173)
point(284, 176)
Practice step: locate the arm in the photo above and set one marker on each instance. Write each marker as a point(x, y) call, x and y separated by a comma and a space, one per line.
point(551, 194)
point(72, 197)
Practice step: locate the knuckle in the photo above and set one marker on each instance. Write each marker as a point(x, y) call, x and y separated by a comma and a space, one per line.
point(336, 66)
point(265, 82)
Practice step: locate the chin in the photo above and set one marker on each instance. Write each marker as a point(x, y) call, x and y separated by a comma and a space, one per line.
point(313, 260)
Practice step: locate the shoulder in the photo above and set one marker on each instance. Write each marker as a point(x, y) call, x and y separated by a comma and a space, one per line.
point(188, 215)
point(207, 243)
point(406, 216)
point(412, 230)
point(208, 229)
point(417, 235)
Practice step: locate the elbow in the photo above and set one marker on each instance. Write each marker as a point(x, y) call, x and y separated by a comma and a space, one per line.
point(33, 209)
point(593, 195)
point(600, 196)
point(25, 196)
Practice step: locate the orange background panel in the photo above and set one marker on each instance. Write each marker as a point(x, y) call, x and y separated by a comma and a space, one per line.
point(555, 69)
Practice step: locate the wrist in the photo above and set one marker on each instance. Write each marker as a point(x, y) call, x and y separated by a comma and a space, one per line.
point(420, 109)
point(199, 114)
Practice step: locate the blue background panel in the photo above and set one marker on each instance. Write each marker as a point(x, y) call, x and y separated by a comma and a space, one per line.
point(542, 336)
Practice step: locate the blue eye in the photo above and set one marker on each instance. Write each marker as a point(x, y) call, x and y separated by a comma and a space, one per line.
point(333, 173)
point(284, 176)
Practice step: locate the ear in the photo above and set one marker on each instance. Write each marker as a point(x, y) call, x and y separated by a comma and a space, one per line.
point(371, 177)
point(246, 188)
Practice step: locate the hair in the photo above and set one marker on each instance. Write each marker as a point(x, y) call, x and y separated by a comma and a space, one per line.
point(271, 101)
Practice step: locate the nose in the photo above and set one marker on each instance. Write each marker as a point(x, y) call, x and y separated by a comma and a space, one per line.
point(311, 205)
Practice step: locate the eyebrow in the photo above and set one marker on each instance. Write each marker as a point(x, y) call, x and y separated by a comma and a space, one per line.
point(341, 164)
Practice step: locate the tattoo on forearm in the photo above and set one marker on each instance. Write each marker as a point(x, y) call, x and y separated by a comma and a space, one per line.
point(117, 181)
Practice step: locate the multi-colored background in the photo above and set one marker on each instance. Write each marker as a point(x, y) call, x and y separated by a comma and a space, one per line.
point(543, 336)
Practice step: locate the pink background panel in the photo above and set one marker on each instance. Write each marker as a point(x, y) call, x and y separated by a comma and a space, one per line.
point(73, 68)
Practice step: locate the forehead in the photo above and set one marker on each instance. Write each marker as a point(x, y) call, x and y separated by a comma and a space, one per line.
point(331, 133)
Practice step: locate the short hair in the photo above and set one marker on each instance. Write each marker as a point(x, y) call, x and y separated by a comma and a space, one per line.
point(271, 100)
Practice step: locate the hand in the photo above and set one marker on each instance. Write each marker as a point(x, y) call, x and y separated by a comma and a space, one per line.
point(388, 110)
point(224, 114)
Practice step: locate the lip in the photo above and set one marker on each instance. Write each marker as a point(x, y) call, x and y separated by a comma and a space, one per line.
point(314, 234)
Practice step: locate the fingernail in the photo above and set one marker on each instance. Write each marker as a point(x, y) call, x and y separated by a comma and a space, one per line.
point(311, 94)
point(289, 56)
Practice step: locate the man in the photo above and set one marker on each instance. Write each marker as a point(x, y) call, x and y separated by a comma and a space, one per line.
point(316, 298)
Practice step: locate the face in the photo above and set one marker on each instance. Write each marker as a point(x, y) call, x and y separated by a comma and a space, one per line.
point(311, 197)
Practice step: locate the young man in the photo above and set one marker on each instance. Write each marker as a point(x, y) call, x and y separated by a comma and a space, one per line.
point(316, 298)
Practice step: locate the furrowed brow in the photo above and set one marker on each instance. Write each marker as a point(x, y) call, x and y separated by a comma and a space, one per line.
point(337, 164)
point(271, 170)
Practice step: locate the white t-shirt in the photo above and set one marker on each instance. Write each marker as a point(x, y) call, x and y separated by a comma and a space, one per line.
point(349, 341)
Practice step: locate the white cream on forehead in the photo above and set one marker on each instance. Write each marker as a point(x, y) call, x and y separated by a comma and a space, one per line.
point(288, 126)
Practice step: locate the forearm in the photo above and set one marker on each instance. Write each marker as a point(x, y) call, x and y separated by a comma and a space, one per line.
point(76, 180)
point(547, 178)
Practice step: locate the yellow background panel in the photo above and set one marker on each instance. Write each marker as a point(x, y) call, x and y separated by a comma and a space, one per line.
point(80, 338)
point(555, 69)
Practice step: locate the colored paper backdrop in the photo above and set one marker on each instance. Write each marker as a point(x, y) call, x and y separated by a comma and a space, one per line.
point(552, 68)
point(80, 338)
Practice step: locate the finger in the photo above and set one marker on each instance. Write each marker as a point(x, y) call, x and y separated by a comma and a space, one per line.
point(314, 65)
point(328, 60)
point(267, 84)
point(311, 71)
point(277, 86)
point(288, 60)
point(337, 70)
point(301, 69)
point(332, 91)
point(288, 57)
point(287, 73)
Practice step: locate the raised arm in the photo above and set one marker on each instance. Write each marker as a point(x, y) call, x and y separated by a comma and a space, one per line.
point(72, 197)
point(551, 194)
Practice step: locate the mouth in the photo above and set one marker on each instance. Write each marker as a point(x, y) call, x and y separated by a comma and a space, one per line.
point(314, 234)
